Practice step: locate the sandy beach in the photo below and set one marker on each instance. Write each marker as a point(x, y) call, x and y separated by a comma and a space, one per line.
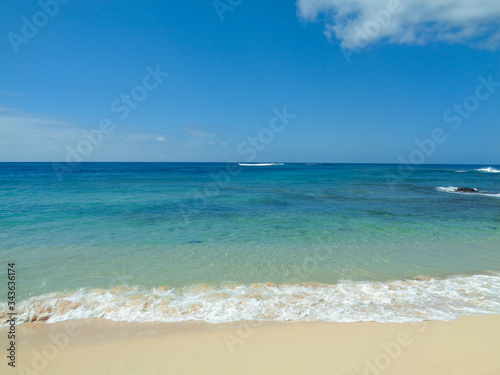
point(469, 346)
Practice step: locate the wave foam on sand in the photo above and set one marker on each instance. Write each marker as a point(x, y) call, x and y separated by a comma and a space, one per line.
point(347, 301)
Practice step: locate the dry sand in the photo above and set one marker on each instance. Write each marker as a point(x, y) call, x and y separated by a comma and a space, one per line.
point(468, 346)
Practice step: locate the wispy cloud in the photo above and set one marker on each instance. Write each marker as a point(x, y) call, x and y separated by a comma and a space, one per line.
point(471, 22)
point(10, 93)
point(198, 133)
point(140, 137)
point(199, 137)
point(13, 126)
point(7, 110)
point(26, 137)
point(20, 121)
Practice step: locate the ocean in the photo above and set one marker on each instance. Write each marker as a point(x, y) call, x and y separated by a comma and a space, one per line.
point(272, 241)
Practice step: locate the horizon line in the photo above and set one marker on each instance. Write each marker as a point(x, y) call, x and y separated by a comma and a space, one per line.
point(236, 162)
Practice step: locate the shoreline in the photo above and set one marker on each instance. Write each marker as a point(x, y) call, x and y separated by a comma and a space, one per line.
point(420, 298)
point(468, 345)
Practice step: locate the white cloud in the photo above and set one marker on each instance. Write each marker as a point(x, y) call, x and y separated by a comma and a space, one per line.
point(160, 139)
point(358, 23)
point(20, 121)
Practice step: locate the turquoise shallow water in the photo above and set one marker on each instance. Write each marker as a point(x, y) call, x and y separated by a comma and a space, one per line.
point(146, 225)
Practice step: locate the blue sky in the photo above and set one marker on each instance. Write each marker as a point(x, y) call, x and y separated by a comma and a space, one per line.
point(365, 80)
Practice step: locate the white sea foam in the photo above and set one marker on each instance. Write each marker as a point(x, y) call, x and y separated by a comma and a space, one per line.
point(259, 164)
point(392, 301)
point(453, 189)
point(460, 171)
point(449, 189)
point(488, 170)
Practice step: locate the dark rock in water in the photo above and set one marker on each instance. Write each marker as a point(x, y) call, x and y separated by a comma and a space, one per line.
point(466, 190)
point(195, 242)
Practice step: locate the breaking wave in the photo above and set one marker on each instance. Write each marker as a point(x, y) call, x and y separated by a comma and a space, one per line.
point(453, 189)
point(259, 164)
point(488, 170)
